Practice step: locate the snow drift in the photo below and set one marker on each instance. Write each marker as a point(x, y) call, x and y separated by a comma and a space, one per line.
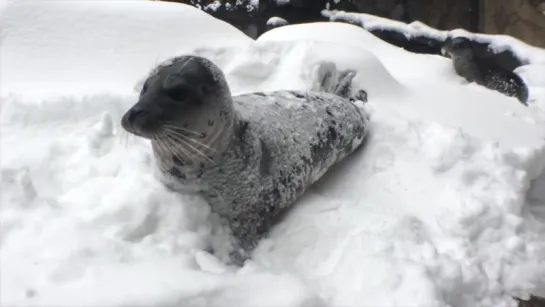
point(442, 208)
point(74, 46)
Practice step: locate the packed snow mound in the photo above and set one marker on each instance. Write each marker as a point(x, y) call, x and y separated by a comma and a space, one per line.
point(392, 57)
point(276, 21)
point(68, 47)
point(441, 208)
point(262, 66)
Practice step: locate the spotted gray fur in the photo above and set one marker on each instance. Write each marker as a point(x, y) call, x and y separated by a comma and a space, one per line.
point(275, 145)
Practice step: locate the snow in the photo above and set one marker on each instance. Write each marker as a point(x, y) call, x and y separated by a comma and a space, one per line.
point(282, 2)
point(276, 21)
point(214, 6)
point(498, 43)
point(444, 206)
point(65, 34)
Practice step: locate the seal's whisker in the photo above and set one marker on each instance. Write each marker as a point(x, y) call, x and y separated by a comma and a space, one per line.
point(160, 145)
point(177, 151)
point(185, 137)
point(198, 134)
point(167, 150)
point(177, 148)
point(121, 136)
point(167, 124)
point(124, 137)
point(214, 135)
point(184, 141)
point(182, 67)
point(196, 150)
point(183, 151)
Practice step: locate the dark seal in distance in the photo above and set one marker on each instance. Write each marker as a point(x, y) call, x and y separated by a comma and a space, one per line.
point(483, 72)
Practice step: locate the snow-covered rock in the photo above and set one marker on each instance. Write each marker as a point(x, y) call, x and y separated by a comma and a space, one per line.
point(276, 22)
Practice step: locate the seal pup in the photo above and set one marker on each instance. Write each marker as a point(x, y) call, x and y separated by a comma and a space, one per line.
point(250, 156)
point(483, 72)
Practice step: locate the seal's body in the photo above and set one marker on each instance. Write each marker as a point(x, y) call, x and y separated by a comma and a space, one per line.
point(482, 71)
point(250, 156)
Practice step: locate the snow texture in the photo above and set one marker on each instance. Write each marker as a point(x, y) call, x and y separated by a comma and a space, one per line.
point(282, 2)
point(276, 21)
point(444, 207)
point(498, 43)
point(214, 6)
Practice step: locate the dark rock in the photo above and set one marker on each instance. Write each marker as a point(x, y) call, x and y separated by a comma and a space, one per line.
point(533, 301)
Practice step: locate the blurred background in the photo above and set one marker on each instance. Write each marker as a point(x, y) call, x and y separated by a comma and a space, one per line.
point(523, 19)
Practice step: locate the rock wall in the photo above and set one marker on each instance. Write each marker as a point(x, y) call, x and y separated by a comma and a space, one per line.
point(439, 14)
point(523, 19)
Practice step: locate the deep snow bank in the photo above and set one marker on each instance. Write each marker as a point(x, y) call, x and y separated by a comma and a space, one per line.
point(67, 47)
point(432, 212)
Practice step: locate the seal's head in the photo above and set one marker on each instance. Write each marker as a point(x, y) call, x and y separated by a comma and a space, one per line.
point(185, 108)
point(188, 96)
point(457, 47)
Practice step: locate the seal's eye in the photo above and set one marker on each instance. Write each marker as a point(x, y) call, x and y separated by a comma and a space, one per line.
point(177, 94)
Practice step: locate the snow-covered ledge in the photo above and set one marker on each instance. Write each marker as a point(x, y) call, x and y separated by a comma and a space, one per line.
point(512, 51)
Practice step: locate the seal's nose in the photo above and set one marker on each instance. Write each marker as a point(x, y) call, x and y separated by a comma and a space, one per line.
point(132, 117)
point(135, 113)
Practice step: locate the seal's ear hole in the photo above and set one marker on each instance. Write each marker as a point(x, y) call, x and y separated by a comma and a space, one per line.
point(177, 94)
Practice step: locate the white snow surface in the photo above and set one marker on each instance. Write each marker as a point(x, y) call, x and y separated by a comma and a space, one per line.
point(282, 2)
point(444, 206)
point(499, 43)
point(276, 21)
point(96, 46)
